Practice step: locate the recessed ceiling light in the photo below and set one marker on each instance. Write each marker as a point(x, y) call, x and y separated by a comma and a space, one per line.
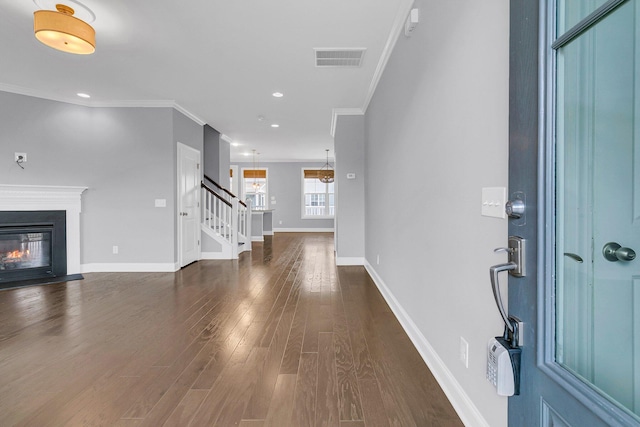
point(278, 94)
point(83, 95)
point(246, 154)
point(275, 125)
point(235, 144)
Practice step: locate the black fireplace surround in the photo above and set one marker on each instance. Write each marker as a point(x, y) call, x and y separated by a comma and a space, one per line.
point(33, 247)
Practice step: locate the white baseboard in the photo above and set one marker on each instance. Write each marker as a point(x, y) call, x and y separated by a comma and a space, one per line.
point(257, 238)
point(467, 411)
point(129, 267)
point(341, 260)
point(303, 230)
point(215, 255)
point(268, 233)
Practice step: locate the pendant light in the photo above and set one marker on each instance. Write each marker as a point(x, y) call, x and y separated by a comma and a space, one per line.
point(63, 31)
point(326, 173)
point(255, 184)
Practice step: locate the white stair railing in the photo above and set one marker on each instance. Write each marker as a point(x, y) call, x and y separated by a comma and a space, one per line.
point(228, 219)
point(244, 223)
point(217, 214)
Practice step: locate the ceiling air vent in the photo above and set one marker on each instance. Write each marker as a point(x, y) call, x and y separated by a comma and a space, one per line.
point(339, 57)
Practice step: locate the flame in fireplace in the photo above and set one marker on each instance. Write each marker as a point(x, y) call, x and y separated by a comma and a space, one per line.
point(17, 255)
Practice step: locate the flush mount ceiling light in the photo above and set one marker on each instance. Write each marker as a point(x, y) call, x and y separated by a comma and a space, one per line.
point(62, 31)
point(277, 94)
point(326, 173)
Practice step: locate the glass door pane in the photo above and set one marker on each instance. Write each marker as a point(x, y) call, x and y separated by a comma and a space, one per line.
point(598, 203)
point(570, 12)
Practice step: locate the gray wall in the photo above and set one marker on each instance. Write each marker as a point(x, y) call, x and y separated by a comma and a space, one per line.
point(211, 156)
point(216, 156)
point(437, 132)
point(285, 184)
point(224, 163)
point(127, 158)
point(350, 212)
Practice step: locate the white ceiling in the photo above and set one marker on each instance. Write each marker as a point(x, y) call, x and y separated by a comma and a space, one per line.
point(219, 61)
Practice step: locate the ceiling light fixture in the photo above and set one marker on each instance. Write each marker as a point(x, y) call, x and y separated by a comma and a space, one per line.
point(275, 125)
point(83, 95)
point(278, 94)
point(255, 184)
point(63, 31)
point(326, 172)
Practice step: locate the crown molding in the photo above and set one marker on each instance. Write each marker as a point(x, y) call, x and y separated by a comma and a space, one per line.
point(396, 29)
point(159, 103)
point(19, 90)
point(226, 138)
point(343, 112)
point(189, 114)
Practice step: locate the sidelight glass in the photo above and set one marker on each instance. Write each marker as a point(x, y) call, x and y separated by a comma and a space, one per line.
point(598, 202)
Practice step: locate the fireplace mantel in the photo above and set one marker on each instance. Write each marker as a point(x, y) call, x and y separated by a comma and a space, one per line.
point(49, 197)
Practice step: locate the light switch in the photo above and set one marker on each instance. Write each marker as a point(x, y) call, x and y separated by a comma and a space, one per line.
point(161, 203)
point(493, 201)
point(351, 175)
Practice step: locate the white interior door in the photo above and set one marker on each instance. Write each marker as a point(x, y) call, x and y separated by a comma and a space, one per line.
point(188, 204)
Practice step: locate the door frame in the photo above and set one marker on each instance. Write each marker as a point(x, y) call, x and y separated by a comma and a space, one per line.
point(544, 383)
point(180, 148)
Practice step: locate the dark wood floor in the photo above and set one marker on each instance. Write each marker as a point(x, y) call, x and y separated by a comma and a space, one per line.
point(279, 338)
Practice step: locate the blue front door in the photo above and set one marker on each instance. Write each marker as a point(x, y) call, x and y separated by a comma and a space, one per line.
point(574, 123)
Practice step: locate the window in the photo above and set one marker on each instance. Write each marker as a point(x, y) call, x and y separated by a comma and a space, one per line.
point(318, 199)
point(255, 187)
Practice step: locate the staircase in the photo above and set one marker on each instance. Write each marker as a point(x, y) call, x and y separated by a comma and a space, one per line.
point(226, 220)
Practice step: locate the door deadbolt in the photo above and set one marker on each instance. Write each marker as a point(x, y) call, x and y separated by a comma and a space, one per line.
point(514, 208)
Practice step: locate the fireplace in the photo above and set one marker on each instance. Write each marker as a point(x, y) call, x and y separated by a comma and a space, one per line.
point(32, 246)
point(17, 203)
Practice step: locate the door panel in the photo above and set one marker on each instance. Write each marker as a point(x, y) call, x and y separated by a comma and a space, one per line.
point(583, 367)
point(188, 204)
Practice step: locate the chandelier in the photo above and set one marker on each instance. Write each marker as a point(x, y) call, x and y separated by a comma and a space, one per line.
point(255, 184)
point(325, 174)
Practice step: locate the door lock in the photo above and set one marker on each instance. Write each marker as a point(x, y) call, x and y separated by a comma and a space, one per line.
point(515, 266)
point(515, 251)
point(614, 252)
point(514, 208)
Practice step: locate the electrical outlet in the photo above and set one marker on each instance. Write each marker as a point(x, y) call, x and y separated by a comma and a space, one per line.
point(464, 352)
point(21, 157)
